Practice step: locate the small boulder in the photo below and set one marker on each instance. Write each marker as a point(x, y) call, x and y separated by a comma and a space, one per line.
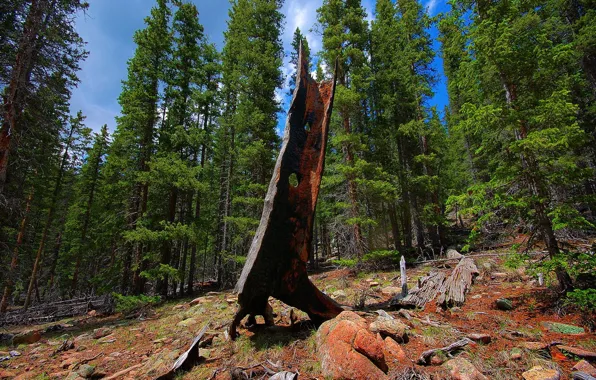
point(515, 353)
point(504, 304)
point(453, 254)
point(535, 346)
point(187, 322)
point(540, 373)
point(27, 337)
point(392, 328)
point(461, 369)
point(101, 332)
point(339, 294)
point(347, 350)
point(563, 328)
point(394, 354)
point(585, 367)
point(373, 284)
point(390, 290)
point(199, 300)
point(86, 370)
point(483, 338)
point(585, 354)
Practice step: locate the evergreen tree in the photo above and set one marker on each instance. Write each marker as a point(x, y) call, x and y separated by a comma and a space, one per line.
point(247, 141)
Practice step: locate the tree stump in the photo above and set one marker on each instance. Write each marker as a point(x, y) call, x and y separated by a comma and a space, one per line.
point(276, 263)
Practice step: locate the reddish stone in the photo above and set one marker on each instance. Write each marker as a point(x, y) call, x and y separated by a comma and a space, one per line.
point(394, 355)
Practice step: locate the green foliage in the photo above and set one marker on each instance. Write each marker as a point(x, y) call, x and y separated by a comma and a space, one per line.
point(584, 299)
point(129, 304)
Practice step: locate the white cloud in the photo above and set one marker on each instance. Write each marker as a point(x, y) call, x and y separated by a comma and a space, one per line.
point(431, 5)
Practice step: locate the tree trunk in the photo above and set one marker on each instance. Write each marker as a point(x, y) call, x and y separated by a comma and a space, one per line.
point(50, 217)
point(15, 256)
point(276, 263)
point(19, 81)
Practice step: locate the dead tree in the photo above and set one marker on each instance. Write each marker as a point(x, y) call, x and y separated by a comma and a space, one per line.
point(276, 262)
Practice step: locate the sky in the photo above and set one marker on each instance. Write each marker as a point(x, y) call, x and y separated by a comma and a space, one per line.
point(108, 27)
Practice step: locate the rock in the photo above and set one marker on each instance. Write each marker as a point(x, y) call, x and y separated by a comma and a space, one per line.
point(394, 354)
point(59, 375)
point(390, 290)
point(92, 313)
point(373, 284)
point(231, 300)
point(347, 350)
point(68, 362)
point(476, 296)
point(540, 373)
point(504, 304)
point(82, 338)
point(453, 254)
point(115, 354)
point(562, 328)
point(437, 360)
point(484, 338)
point(535, 346)
point(180, 307)
point(515, 353)
point(86, 370)
point(159, 364)
point(101, 332)
point(186, 322)
point(107, 339)
point(339, 294)
point(390, 327)
point(461, 369)
point(27, 337)
point(585, 354)
point(199, 300)
point(584, 366)
point(73, 376)
point(7, 374)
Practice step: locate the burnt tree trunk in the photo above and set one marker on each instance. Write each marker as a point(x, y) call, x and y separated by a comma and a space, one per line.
point(276, 262)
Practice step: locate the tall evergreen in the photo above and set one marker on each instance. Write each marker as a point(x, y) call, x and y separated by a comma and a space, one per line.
point(247, 138)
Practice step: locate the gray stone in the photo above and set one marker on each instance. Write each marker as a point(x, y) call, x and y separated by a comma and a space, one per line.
point(504, 304)
point(461, 369)
point(86, 370)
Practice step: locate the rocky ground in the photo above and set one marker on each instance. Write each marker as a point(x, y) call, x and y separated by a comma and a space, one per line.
point(530, 337)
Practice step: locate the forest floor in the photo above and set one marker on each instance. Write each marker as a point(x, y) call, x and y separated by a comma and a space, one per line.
point(148, 345)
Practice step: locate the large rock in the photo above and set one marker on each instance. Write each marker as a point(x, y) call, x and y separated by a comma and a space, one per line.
point(101, 332)
point(540, 373)
point(461, 369)
point(563, 328)
point(395, 357)
point(349, 351)
point(390, 327)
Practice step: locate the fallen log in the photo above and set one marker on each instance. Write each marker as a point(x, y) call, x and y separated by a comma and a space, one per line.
point(277, 259)
point(453, 347)
point(53, 311)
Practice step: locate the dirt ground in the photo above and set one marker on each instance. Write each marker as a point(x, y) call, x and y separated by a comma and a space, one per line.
point(150, 343)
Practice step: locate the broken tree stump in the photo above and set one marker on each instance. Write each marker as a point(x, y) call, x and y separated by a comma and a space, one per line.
point(276, 262)
point(454, 289)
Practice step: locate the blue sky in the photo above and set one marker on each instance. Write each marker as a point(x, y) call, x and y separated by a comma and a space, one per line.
point(108, 27)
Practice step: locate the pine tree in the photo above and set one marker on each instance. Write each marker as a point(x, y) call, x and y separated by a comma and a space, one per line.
point(247, 139)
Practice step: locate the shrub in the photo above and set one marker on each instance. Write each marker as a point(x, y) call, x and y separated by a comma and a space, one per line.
point(129, 304)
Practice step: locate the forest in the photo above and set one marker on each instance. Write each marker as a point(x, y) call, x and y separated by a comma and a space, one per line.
point(171, 199)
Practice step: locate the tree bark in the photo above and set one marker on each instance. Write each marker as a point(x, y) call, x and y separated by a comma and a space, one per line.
point(276, 263)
